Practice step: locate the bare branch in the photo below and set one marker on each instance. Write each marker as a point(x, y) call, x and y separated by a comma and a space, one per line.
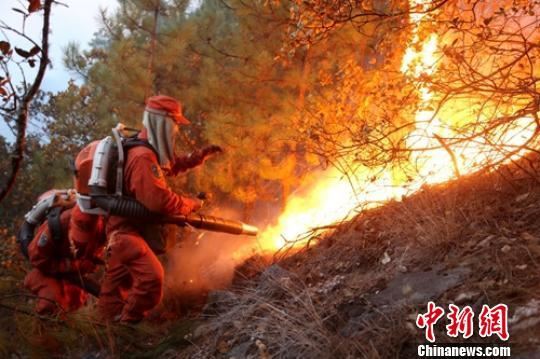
point(22, 117)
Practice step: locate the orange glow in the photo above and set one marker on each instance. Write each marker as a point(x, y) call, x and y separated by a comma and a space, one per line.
point(436, 165)
point(334, 198)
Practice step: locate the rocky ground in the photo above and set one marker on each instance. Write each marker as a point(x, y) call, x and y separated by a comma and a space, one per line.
point(357, 293)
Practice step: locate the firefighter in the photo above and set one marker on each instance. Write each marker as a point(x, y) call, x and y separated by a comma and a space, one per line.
point(133, 281)
point(59, 259)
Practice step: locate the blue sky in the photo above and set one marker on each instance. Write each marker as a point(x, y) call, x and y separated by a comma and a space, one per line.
point(76, 22)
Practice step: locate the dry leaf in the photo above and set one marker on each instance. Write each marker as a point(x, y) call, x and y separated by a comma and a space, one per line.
point(22, 53)
point(5, 47)
point(34, 5)
point(527, 236)
point(223, 347)
point(34, 51)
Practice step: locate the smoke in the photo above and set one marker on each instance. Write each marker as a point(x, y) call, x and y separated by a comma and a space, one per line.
point(204, 261)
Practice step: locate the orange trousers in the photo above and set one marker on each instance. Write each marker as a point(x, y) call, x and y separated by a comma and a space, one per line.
point(54, 295)
point(133, 282)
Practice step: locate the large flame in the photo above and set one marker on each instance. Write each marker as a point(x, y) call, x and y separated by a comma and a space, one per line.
point(334, 198)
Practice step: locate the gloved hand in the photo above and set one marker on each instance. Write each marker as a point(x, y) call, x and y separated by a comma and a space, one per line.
point(204, 196)
point(197, 204)
point(190, 205)
point(210, 150)
point(195, 158)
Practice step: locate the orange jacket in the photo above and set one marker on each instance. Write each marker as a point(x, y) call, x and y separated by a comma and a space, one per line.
point(144, 180)
point(194, 159)
point(186, 162)
point(52, 257)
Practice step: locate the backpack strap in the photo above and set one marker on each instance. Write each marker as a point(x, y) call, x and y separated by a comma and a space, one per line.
point(26, 234)
point(55, 226)
point(124, 144)
point(131, 142)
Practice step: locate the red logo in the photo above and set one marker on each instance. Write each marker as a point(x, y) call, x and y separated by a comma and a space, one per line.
point(494, 321)
point(490, 321)
point(461, 321)
point(429, 319)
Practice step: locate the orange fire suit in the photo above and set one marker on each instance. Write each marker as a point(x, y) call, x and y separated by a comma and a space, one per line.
point(134, 278)
point(52, 260)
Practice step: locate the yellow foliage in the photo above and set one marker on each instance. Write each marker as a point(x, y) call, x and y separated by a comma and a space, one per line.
point(280, 171)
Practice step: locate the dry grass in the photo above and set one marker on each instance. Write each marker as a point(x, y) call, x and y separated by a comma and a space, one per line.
point(280, 317)
point(267, 314)
point(300, 310)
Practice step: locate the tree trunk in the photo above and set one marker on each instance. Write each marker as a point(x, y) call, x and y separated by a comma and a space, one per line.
point(22, 117)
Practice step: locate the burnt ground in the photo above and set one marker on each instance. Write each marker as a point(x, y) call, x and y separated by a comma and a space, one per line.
point(473, 241)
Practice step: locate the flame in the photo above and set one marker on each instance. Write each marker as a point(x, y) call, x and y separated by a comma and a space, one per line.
point(441, 164)
point(334, 198)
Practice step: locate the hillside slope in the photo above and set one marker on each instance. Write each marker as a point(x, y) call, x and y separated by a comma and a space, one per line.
point(471, 242)
point(357, 293)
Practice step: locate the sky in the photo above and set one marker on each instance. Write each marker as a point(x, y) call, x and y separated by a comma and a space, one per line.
point(75, 22)
point(78, 21)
